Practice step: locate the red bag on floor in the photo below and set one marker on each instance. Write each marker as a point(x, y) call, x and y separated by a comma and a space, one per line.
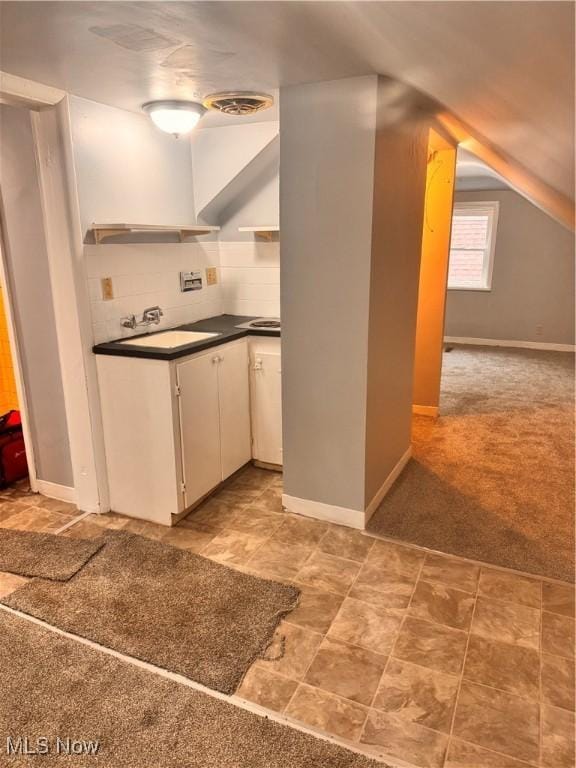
point(13, 464)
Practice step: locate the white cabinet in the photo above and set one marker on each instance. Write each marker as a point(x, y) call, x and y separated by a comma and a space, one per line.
point(173, 430)
point(266, 399)
point(234, 404)
point(214, 418)
point(199, 426)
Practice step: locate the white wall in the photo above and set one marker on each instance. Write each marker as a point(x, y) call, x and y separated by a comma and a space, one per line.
point(532, 296)
point(129, 171)
point(250, 277)
point(230, 164)
point(29, 277)
point(236, 184)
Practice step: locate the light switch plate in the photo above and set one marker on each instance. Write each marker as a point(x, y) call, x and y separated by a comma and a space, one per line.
point(107, 288)
point(211, 276)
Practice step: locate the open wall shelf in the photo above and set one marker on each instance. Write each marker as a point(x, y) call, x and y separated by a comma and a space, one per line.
point(265, 232)
point(101, 231)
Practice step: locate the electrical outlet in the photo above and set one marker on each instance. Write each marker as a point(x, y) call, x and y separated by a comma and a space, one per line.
point(211, 276)
point(539, 330)
point(107, 288)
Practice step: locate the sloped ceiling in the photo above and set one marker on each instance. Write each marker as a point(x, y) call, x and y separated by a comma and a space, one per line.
point(473, 174)
point(505, 69)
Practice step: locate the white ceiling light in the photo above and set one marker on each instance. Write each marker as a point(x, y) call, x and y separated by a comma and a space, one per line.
point(175, 117)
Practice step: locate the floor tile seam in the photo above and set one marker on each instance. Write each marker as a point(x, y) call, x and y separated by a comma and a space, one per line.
point(435, 582)
point(268, 540)
point(513, 694)
point(322, 690)
point(251, 533)
point(72, 523)
point(462, 668)
point(495, 751)
point(339, 557)
point(462, 559)
point(343, 642)
point(400, 720)
point(305, 563)
point(392, 650)
point(441, 623)
point(229, 530)
point(360, 647)
point(561, 615)
point(349, 559)
point(510, 602)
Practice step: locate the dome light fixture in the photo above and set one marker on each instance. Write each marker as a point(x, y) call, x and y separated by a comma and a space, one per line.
point(175, 117)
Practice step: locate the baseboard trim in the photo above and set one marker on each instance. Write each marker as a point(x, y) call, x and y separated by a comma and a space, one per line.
point(352, 518)
point(387, 484)
point(55, 491)
point(426, 410)
point(544, 345)
point(267, 465)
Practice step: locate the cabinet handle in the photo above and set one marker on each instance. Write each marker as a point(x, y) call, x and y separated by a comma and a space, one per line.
point(217, 359)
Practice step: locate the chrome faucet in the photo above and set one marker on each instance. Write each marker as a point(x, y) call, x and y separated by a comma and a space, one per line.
point(150, 316)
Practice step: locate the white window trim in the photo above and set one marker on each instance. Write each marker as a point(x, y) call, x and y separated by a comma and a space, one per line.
point(492, 207)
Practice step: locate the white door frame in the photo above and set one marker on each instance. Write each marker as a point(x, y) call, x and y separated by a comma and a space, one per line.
point(17, 361)
point(61, 218)
point(17, 92)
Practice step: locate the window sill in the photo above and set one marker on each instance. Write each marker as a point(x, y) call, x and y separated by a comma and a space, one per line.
point(468, 288)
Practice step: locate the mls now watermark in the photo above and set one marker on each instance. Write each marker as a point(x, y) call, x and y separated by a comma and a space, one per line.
point(44, 745)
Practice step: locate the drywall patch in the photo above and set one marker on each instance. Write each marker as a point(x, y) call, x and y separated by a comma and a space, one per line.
point(192, 60)
point(134, 38)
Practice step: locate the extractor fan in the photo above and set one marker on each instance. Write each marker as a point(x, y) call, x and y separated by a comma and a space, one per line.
point(238, 102)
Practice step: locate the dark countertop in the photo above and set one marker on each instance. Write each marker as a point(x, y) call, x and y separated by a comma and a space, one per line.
point(222, 324)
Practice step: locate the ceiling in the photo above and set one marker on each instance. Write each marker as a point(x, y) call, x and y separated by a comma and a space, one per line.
point(505, 69)
point(473, 174)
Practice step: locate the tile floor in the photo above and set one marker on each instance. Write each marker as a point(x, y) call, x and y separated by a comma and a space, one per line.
point(20, 508)
point(421, 657)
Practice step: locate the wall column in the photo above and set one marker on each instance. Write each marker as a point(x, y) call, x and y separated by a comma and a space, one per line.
point(436, 230)
point(352, 182)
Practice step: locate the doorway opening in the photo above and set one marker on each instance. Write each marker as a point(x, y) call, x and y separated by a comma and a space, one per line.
point(30, 371)
point(492, 477)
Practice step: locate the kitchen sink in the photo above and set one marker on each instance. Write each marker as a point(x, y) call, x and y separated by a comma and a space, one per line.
point(169, 339)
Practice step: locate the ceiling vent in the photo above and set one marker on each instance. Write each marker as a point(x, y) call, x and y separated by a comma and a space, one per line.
point(238, 102)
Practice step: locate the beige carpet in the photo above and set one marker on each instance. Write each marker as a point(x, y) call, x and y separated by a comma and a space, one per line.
point(493, 478)
point(43, 554)
point(53, 686)
point(167, 606)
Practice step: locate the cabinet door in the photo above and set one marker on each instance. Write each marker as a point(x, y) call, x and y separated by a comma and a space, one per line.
point(234, 393)
point(266, 381)
point(199, 425)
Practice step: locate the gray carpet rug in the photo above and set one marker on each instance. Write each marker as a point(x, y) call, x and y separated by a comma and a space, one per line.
point(492, 479)
point(53, 687)
point(167, 606)
point(43, 554)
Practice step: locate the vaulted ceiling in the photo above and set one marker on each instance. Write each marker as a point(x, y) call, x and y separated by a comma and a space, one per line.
point(504, 69)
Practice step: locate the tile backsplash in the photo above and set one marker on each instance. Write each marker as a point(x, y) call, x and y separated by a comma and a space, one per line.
point(145, 275)
point(250, 278)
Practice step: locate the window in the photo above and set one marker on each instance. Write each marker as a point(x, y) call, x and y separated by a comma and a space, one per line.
point(472, 246)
